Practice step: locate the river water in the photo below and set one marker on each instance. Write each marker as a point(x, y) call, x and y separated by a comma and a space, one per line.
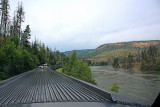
point(143, 86)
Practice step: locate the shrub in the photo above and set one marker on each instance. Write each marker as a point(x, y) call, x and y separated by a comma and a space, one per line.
point(115, 87)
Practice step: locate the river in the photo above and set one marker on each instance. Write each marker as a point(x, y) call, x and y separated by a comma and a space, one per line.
point(143, 86)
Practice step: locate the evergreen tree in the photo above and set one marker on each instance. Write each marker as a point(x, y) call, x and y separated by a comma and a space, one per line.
point(35, 47)
point(149, 59)
point(26, 36)
point(115, 62)
point(78, 69)
point(130, 60)
point(16, 58)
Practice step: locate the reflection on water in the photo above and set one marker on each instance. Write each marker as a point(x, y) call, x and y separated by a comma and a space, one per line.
point(143, 86)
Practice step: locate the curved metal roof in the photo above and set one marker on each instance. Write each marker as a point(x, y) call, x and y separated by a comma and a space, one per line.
point(46, 85)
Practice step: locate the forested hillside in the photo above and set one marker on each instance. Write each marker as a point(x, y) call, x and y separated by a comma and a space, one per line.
point(17, 54)
point(106, 52)
point(117, 48)
point(79, 52)
point(144, 55)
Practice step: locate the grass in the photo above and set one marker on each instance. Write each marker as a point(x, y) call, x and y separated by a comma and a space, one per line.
point(109, 55)
point(59, 70)
point(117, 53)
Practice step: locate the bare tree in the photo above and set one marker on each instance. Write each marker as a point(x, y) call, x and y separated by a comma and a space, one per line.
point(4, 20)
point(4, 17)
point(20, 18)
point(13, 26)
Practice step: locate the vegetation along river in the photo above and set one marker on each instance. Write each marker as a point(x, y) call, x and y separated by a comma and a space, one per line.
point(143, 86)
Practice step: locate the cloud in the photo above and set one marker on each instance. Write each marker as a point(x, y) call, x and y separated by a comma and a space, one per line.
point(83, 24)
point(149, 32)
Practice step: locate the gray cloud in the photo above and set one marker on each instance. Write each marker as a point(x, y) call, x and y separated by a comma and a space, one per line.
point(83, 24)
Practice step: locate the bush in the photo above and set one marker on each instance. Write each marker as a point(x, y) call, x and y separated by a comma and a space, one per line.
point(115, 87)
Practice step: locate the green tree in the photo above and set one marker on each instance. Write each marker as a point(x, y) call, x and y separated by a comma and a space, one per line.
point(73, 57)
point(144, 60)
point(14, 39)
point(16, 58)
point(82, 71)
point(26, 36)
point(35, 47)
point(130, 60)
point(115, 62)
point(9, 50)
point(2, 57)
point(149, 59)
point(78, 69)
point(69, 65)
point(3, 60)
point(42, 56)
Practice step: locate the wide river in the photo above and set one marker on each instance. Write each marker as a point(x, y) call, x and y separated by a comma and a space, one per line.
point(143, 86)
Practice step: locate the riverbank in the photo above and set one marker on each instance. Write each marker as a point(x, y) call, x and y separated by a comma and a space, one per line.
point(136, 66)
point(143, 86)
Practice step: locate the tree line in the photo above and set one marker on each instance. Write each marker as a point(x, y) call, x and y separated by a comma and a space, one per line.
point(18, 55)
point(146, 60)
point(17, 58)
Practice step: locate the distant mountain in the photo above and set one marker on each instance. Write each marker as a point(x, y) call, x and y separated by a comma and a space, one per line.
point(107, 52)
point(79, 52)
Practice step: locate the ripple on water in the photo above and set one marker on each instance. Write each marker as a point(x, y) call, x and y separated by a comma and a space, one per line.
point(143, 86)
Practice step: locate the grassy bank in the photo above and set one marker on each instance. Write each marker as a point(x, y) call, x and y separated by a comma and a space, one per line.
point(59, 70)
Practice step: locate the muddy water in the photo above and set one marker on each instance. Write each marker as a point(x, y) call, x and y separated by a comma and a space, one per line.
point(143, 86)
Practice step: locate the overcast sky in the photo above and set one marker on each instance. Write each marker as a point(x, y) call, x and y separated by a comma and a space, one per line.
point(86, 24)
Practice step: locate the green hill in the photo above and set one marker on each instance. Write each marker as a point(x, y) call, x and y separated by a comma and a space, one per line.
point(79, 52)
point(107, 52)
